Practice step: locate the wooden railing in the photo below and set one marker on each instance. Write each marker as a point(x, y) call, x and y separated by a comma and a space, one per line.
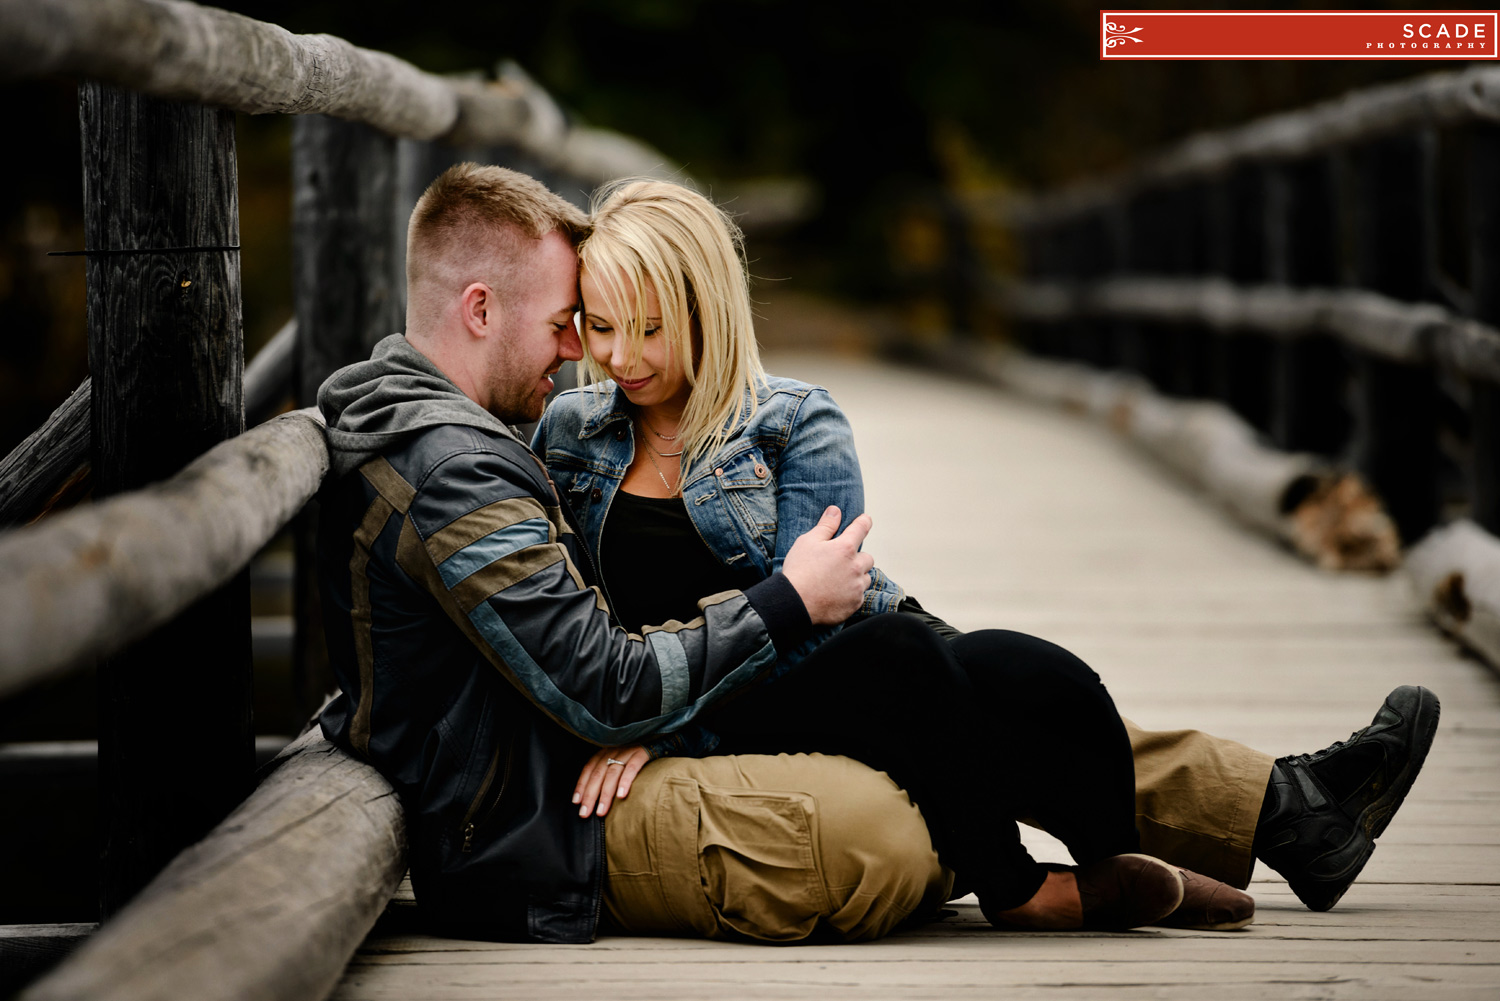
point(1296, 276)
point(150, 576)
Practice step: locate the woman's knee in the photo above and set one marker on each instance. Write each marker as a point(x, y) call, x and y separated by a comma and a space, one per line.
point(895, 650)
point(1024, 663)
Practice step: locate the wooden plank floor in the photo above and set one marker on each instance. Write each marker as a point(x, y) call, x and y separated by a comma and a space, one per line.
point(1049, 525)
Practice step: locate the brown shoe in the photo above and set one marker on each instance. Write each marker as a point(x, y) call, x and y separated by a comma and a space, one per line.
point(1127, 891)
point(1209, 905)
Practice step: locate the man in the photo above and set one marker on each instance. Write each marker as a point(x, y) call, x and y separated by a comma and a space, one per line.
point(477, 664)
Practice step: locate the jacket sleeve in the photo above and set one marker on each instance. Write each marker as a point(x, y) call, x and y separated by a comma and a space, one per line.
point(817, 467)
point(502, 572)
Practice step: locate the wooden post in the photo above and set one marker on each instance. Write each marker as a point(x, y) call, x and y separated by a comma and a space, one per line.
point(1186, 257)
point(348, 296)
point(1484, 262)
point(165, 352)
point(1308, 373)
point(1136, 339)
point(1241, 363)
point(1396, 430)
point(1088, 340)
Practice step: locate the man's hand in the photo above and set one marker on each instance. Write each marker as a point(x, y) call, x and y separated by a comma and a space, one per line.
point(607, 777)
point(828, 571)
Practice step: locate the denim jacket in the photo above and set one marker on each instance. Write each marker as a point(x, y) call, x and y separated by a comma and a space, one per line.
point(750, 500)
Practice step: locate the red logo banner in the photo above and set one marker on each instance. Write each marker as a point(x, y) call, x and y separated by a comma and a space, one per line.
point(1288, 34)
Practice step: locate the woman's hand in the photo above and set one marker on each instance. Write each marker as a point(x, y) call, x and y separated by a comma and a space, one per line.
point(607, 777)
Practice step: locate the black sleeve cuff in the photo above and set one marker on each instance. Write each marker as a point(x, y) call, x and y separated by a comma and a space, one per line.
point(780, 607)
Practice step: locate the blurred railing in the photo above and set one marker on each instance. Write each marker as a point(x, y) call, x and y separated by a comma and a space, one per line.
point(272, 901)
point(1330, 279)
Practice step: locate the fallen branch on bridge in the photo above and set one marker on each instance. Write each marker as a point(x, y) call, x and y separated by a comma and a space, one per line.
point(1455, 571)
point(271, 904)
point(1326, 515)
point(84, 584)
point(179, 50)
point(1412, 333)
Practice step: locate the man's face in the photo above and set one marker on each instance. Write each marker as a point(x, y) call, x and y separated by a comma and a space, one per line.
point(538, 334)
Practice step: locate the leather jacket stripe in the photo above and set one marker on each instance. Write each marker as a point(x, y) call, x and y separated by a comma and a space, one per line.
point(391, 485)
point(374, 521)
point(496, 577)
point(492, 548)
point(470, 528)
point(671, 661)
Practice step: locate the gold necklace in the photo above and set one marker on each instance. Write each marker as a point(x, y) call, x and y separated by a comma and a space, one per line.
point(663, 437)
point(671, 490)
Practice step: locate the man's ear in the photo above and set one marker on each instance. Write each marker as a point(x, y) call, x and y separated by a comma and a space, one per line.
point(480, 310)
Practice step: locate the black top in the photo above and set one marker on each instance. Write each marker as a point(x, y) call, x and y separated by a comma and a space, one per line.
point(655, 565)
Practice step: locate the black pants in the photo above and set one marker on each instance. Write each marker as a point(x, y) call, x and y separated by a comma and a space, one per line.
point(981, 731)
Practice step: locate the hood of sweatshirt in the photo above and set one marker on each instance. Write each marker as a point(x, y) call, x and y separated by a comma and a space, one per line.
point(372, 405)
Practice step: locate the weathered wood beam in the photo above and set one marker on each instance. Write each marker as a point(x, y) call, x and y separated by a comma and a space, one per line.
point(268, 376)
point(55, 457)
point(270, 905)
point(90, 580)
point(1455, 571)
point(179, 50)
point(1395, 439)
point(1326, 515)
point(182, 51)
point(28, 951)
point(1439, 100)
point(1416, 333)
point(52, 455)
point(1302, 249)
point(166, 359)
point(347, 293)
point(1484, 281)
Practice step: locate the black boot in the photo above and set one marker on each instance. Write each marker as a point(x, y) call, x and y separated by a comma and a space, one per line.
point(1323, 811)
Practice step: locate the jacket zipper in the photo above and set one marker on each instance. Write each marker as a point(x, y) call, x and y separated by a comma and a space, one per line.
point(474, 818)
point(597, 565)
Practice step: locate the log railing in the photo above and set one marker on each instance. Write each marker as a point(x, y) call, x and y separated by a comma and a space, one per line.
point(276, 897)
point(1329, 279)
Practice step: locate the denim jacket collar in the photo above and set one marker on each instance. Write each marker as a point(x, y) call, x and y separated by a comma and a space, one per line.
point(611, 406)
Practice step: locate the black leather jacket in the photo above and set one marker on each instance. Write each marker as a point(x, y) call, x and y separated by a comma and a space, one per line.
point(480, 666)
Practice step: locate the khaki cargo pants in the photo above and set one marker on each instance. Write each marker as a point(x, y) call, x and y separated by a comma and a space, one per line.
point(778, 848)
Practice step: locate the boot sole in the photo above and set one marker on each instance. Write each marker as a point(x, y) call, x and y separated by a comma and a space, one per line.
point(1375, 818)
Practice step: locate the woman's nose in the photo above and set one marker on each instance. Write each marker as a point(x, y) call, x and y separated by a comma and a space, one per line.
point(619, 356)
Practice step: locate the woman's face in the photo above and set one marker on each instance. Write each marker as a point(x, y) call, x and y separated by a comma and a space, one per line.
point(656, 378)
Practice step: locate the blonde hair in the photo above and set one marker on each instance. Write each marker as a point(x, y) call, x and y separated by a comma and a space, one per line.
point(656, 234)
point(474, 223)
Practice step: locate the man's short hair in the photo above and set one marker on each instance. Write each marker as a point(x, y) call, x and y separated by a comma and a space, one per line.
point(478, 219)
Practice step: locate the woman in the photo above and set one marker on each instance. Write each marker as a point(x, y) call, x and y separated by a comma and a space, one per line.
point(693, 472)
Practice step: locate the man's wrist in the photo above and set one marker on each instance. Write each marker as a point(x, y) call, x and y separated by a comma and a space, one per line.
point(781, 608)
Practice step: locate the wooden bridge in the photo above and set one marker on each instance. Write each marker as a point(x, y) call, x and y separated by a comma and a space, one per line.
point(1062, 530)
point(1154, 481)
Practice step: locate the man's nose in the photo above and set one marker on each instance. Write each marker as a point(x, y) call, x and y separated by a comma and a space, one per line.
point(569, 347)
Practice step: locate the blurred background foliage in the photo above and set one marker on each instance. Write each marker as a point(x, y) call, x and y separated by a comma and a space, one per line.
point(879, 111)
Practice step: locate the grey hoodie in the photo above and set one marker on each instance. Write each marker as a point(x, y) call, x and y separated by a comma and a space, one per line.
point(373, 404)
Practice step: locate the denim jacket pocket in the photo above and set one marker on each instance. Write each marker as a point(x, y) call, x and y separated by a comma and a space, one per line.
point(750, 488)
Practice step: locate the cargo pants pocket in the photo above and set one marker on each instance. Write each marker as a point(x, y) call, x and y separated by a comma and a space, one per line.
point(748, 867)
